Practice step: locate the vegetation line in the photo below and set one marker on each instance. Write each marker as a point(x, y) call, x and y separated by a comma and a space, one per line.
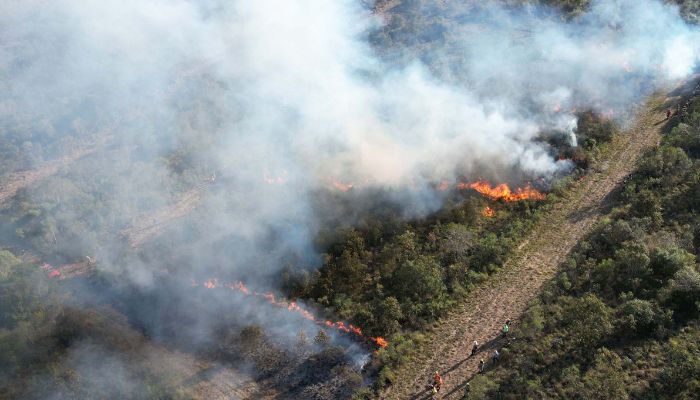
point(484, 310)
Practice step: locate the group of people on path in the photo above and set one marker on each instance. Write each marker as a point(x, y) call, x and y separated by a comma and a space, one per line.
point(437, 379)
point(682, 110)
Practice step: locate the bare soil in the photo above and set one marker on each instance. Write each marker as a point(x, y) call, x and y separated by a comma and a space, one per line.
point(18, 180)
point(149, 226)
point(507, 294)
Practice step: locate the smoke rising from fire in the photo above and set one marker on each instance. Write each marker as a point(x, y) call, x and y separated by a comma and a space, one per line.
point(297, 87)
point(308, 92)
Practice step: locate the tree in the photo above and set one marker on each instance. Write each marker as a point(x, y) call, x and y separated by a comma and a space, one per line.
point(417, 280)
point(7, 262)
point(666, 262)
point(642, 317)
point(387, 314)
point(418, 286)
point(647, 204)
point(683, 291)
point(589, 321)
point(350, 273)
point(680, 378)
point(455, 243)
point(607, 379)
point(631, 267)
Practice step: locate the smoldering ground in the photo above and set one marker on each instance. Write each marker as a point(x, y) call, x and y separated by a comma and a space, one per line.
point(279, 99)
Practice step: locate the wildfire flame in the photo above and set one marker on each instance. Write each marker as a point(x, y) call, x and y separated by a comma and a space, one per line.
point(275, 179)
point(626, 66)
point(51, 271)
point(488, 212)
point(503, 191)
point(343, 187)
point(499, 192)
point(293, 307)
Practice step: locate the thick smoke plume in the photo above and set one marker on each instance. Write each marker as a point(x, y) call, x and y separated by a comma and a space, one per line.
point(279, 99)
point(297, 91)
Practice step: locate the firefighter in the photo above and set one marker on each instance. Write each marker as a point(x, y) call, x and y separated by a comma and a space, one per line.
point(437, 382)
point(475, 347)
point(495, 356)
point(506, 328)
point(481, 366)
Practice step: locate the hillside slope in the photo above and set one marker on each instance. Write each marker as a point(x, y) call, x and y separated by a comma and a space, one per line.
point(508, 292)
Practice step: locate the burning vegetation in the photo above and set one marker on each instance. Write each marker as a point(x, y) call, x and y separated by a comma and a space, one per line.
point(503, 191)
point(394, 261)
point(293, 307)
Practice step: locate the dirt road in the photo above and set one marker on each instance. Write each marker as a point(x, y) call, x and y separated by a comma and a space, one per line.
point(18, 180)
point(149, 226)
point(508, 292)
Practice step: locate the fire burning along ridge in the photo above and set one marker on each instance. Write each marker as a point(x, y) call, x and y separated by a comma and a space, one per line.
point(503, 191)
point(293, 307)
point(499, 192)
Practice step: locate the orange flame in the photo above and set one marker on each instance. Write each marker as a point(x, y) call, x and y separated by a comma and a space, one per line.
point(51, 271)
point(488, 212)
point(276, 179)
point(503, 192)
point(294, 307)
point(626, 66)
point(343, 187)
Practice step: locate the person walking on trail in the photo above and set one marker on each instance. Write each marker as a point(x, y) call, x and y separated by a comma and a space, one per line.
point(481, 366)
point(495, 356)
point(506, 328)
point(475, 347)
point(437, 382)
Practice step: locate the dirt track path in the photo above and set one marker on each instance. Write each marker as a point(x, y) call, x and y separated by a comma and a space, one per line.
point(195, 377)
point(22, 179)
point(508, 292)
point(149, 226)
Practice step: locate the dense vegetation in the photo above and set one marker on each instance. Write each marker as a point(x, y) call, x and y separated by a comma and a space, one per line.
point(395, 277)
point(365, 279)
point(621, 319)
point(626, 305)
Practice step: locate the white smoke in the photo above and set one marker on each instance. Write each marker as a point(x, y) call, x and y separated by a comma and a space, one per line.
point(295, 90)
point(302, 91)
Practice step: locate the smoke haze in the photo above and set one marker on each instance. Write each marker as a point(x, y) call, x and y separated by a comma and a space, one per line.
point(280, 99)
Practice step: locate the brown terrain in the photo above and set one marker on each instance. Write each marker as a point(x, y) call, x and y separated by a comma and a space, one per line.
point(481, 315)
point(18, 180)
point(141, 231)
point(507, 294)
point(149, 226)
point(194, 377)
